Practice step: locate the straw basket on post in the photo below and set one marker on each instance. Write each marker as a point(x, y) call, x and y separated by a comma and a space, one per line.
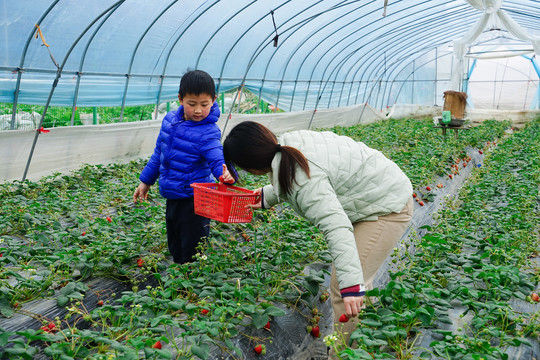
point(455, 102)
point(225, 203)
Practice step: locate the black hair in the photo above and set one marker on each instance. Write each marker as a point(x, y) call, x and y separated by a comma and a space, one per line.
point(197, 82)
point(251, 145)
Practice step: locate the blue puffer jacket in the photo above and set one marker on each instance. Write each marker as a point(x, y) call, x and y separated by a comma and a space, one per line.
point(186, 152)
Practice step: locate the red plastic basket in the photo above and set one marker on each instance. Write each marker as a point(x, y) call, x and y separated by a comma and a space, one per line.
point(225, 203)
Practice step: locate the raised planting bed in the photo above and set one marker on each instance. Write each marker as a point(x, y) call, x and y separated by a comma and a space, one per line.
point(76, 253)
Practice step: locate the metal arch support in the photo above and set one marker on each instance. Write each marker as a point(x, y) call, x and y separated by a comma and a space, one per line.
point(330, 63)
point(428, 49)
point(21, 63)
point(397, 60)
point(55, 82)
point(405, 45)
point(221, 27)
point(257, 50)
point(260, 48)
point(352, 82)
point(294, 26)
point(354, 51)
point(402, 41)
point(332, 48)
point(83, 58)
point(304, 23)
point(366, 68)
point(386, 94)
point(251, 61)
point(128, 74)
point(172, 48)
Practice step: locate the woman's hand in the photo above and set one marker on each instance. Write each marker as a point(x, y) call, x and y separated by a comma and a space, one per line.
point(141, 193)
point(258, 204)
point(226, 177)
point(353, 305)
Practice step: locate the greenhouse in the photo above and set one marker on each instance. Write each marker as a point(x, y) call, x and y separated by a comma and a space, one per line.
point(420, 119)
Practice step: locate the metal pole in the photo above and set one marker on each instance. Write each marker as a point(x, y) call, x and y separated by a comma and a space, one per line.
point(38, 131)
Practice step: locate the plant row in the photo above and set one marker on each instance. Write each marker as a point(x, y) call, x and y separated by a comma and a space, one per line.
point(63, 234)
point(464, 284)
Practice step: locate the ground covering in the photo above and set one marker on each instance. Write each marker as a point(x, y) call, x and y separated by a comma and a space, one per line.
point(64, 237)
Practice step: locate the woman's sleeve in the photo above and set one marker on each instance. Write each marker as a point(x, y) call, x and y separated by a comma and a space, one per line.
point(317, 200)
point(268, 197)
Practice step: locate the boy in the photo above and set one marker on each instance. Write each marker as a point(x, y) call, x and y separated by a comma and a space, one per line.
point(188, 150)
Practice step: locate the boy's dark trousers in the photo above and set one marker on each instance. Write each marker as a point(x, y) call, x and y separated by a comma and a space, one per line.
point(185, 229)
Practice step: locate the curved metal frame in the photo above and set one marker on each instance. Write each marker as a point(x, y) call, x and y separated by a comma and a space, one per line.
point(21, 63)
point(353, 67)
point(172, 48)
point(55, 82)
point(356, 61)
point(81, 63)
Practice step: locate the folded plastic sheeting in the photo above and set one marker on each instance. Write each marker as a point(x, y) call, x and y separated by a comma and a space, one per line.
point(67, 148)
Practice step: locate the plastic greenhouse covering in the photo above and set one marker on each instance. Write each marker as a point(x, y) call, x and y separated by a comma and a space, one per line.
point(325, 63)
point(309, 64)
point(296, 54)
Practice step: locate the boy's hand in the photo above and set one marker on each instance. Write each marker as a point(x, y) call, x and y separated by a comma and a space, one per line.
point(141, 193)
point(226, 177)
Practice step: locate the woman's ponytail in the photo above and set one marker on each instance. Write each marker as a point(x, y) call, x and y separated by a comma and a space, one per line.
point(252, 146)
point(290, 157)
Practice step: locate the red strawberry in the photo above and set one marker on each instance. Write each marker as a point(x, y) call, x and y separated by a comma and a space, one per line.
point(414, 195)
point(343, 318)
point(324, 297)
point(464, 164)
point(1, 255)
point(109, 219)
point(140, 262)
point(157, 345)
point(428, 188)
point(51, 326)
point(260, 349)
point(450, 176)
point(535, 297)
point(480, 151)
point(316, 331)
point(204, 311)
point(421, 203)
point(100, 303)
point(440, 186)
point(267, 326)
point(44, 328)
point(83, 233)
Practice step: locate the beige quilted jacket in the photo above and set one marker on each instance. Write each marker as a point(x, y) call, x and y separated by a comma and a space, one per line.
point(349, 182)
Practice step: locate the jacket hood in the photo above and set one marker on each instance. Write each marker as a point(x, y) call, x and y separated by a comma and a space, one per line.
point(212, 117)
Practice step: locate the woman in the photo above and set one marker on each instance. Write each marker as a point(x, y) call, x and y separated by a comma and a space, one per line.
point(358, 198)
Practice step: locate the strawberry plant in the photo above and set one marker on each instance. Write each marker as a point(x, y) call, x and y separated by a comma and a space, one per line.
point(116, 293)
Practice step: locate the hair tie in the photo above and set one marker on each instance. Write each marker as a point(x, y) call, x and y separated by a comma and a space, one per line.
point(278, 147)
